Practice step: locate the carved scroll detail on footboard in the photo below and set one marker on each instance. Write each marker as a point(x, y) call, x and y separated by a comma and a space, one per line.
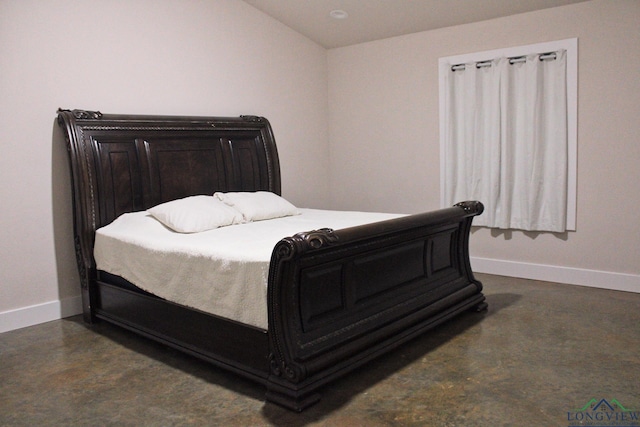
point(338, 298)
point(288, 249)
point(471, 206)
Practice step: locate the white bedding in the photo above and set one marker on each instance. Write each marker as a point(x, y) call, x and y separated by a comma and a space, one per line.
point(222, 271)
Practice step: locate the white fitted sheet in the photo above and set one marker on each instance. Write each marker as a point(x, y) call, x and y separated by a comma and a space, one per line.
point(222, 271)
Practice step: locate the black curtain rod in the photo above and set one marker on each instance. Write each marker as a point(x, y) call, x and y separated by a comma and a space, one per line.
point(512, 60)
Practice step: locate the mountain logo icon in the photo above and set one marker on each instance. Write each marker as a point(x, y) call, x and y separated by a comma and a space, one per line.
point(603, 405)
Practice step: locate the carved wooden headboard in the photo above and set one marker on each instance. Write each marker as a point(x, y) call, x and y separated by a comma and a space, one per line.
point(126, 163)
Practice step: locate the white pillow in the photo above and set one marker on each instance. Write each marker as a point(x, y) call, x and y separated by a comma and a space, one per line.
point(195, 213)
point(260, 205)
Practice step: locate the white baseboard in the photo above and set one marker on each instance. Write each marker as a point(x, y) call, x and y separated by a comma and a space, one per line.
point(40, 313)
point(54, 310)
point(552, 273)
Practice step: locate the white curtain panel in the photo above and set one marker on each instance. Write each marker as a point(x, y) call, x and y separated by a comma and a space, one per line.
point(506, 142)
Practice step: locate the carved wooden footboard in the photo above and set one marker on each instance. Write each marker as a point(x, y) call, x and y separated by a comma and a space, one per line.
point(339, 298)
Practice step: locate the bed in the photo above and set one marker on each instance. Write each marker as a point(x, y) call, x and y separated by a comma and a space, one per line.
point(335, 297)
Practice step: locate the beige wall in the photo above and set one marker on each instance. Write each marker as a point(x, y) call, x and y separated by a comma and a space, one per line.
point(384, 140)
point(375, 133)
point(216, 57)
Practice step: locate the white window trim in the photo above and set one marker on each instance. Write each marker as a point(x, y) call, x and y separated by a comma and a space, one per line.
point(571, 46)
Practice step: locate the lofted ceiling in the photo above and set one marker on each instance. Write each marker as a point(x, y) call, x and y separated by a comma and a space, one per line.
point(370, 20)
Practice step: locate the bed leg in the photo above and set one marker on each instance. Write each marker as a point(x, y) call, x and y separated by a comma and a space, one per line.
point(482, 306)
point(87, 312)
point(290, 399)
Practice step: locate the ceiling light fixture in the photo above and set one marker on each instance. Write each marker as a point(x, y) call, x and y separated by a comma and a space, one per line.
point(338, 14)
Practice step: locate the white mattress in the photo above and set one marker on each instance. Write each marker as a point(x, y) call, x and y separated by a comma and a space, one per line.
point(222, 271)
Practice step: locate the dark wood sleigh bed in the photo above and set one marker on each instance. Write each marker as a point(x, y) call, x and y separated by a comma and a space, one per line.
point(336, 298)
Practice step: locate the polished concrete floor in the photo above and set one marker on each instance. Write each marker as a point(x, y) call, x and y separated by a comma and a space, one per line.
point(540, 353)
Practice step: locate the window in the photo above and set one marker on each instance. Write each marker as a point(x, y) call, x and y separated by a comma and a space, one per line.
point(508, 123)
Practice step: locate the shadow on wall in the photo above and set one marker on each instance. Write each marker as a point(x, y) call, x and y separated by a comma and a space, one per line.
point(66, 267)
point(508, 234)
